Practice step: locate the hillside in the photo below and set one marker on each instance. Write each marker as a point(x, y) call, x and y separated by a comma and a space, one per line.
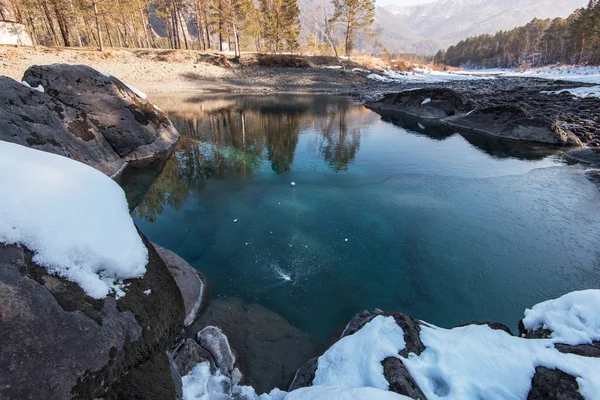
point(425, 28)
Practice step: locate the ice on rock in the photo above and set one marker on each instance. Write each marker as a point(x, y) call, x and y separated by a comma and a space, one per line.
point(74, 218)
point(427, 100)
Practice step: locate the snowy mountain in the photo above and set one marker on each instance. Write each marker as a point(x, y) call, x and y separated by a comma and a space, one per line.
point(426, 28)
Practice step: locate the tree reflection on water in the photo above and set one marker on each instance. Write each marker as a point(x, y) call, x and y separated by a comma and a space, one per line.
point(235, 136)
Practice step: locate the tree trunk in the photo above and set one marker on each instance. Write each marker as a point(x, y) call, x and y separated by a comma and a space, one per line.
point(183, 28)
point(206, 28)
point(50, 23)
point(98, 30)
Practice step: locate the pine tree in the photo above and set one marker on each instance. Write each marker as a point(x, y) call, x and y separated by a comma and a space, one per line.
point(355, 16)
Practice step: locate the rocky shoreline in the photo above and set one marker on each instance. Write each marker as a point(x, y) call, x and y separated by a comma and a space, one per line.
point(164, 337)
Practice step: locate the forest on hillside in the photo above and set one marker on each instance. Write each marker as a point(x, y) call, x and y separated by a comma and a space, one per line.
point(234, 25)
point(574, 40)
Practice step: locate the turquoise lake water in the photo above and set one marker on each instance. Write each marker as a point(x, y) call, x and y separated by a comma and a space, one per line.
point(387, 213)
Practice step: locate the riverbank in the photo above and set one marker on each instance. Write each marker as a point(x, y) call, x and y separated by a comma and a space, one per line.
point(160, 71)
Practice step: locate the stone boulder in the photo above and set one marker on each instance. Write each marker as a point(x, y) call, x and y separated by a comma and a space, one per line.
point(269, 349)
point(587, 155)
point(511, 122)
point(192, 284)
point(83, 114)
point(431, 103)
point(59, 343)
point(394, 370)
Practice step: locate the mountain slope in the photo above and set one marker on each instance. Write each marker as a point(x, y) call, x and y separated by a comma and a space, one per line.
point(445, 22)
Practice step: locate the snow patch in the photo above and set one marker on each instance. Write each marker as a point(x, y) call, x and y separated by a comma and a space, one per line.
point(355, 361)
point(573, 318)
point(477, 362)
point(576, 73)
point(582, 92)
point(74, 218)
point(427, 100)
point(39, 88)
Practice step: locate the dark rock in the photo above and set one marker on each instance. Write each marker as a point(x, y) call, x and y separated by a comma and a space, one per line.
point(152, 379)
point(188, 354)
point(584, 350)
point(57, 342)
point(553, 384)
point(192, 283)
point(269, 349)
point(442, 103)
point(305, 374)
point(34, 119)
point(400, 380)
point(511, 122)
point(84, 115)
point(494, 325)
point(539, 333)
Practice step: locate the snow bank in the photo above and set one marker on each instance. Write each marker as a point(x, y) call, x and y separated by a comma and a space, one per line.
point(74, 218)
point(476, 362)
point(355, 360)
point(582, 92)
point(471, 362)
point(573, 318)
point(587, 74)
point(201, 384)
point(334, 393)
point(423, 75)
point(379, 78)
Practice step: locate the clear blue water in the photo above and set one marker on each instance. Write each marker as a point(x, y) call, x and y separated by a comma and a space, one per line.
point(398, 216)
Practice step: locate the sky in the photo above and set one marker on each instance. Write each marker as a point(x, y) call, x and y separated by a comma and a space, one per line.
point(401, 2)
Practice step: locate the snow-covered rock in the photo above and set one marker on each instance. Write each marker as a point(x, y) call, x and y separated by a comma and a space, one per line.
point(74, 273)
point(79, 113)
point(477, 360)
point(74, 219)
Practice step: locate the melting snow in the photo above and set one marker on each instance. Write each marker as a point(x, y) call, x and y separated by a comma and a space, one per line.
point(74, 218)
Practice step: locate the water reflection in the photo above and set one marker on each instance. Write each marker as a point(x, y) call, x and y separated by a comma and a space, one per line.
point(401, 216)
point(235, 136)
point(494, 146)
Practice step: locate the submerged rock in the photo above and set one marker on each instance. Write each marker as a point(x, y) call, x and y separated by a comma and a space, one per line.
point(57, 342)
point(433, 103)
point(588, 155)
point(191, 283)
point(85, 115)
point(269, 349)
point(511, 122)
